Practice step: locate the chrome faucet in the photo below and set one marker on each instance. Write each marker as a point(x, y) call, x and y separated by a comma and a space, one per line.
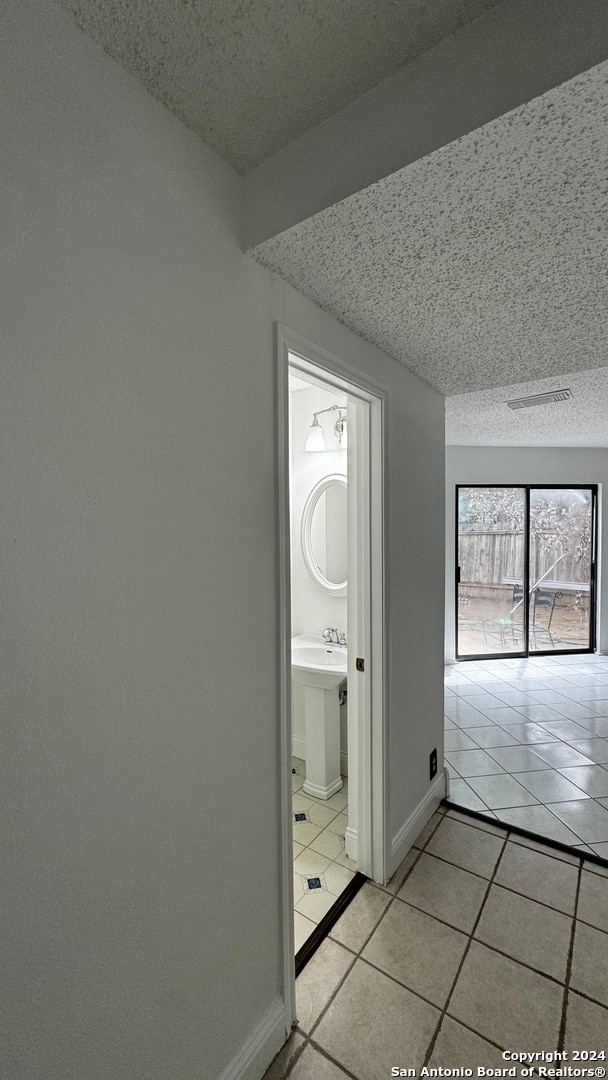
point(330, 635)
point(342, 638)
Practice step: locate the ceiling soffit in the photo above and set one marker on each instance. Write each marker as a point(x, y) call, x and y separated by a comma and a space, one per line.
point(250, 76)
point(483, 263)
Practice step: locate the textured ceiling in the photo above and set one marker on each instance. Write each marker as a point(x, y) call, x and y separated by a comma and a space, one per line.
point(249, 76)
point(483, 419)
point(484, 263)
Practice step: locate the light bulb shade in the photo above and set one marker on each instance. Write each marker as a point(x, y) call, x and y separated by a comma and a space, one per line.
point(315, 441)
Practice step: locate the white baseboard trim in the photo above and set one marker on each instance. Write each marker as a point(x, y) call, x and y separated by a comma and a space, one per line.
point(351, 843)
point(319, 792)
point(413, 825)
point(262, 1046)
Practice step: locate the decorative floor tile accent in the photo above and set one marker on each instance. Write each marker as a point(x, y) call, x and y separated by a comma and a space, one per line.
point(312, 883)
point(322, 868)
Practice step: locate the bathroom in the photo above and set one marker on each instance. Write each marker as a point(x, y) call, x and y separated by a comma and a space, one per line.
point(318, 472)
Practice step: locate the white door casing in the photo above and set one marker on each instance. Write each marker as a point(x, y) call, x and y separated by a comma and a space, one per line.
point(366, 834)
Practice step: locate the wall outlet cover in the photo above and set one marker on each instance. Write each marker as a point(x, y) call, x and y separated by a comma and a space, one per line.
point(433, 763)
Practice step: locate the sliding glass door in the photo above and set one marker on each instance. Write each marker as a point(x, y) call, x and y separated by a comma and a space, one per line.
point(561, 556)
point(525, 577)
point(491, 561)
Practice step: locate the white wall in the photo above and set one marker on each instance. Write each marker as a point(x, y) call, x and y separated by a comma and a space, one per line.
point(140, 776)
point(312, 609)
point(524, 465)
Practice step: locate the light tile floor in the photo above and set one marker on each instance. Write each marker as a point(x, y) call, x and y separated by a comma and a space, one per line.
point(321, 867)
point(482, 942)
point(526, 741)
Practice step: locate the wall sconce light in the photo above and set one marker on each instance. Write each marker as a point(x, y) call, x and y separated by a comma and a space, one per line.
point(316, 440)
point(340, 429)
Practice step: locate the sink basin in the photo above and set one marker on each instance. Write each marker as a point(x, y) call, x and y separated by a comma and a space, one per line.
point(315, 656)
point(314, 663)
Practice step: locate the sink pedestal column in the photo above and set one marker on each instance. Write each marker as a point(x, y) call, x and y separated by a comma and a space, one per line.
point(322, 724)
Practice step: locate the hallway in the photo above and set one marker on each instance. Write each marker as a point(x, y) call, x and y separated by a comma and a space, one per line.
point(482, 942)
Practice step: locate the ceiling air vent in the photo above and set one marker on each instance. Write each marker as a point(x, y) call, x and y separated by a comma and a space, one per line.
point(540, 399)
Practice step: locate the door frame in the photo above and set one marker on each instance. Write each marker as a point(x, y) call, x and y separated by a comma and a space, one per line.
point(593, 612)
point(366, 620)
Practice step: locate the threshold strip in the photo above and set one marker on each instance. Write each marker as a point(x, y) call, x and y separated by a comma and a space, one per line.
point(320, 932)
point(588, 856)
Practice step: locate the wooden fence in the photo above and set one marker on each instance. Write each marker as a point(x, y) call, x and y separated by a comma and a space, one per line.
point(492, 557)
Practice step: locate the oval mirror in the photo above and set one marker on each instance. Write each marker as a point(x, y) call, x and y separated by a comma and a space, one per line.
point(324, 534)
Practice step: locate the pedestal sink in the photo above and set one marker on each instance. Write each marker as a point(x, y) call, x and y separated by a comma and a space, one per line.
point(320, 668)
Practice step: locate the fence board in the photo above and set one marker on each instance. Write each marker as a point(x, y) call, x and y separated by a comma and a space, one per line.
point(490, 557)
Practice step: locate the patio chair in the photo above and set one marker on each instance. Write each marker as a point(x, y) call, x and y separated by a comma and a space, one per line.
point(541, 599)
point(544, 599)
point(511, 632)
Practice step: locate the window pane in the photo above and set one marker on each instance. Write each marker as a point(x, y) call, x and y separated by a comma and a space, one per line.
point(560, 568)
point(491, 552)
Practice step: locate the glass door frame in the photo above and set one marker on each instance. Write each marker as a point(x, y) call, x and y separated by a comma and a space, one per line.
point(527, 488)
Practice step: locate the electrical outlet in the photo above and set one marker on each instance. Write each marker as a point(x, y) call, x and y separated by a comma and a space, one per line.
point(433, 763)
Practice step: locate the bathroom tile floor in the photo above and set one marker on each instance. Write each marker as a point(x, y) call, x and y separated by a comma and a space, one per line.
point(321, 867)
point(482, 942)
point(526, 741)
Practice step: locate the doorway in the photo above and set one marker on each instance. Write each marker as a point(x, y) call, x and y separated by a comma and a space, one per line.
point(525, 570)
point(338, 617)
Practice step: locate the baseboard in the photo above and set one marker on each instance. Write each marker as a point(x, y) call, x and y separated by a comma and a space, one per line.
point(413, 825)
point(318, 792)
point(262, 1046)
point(351, 843)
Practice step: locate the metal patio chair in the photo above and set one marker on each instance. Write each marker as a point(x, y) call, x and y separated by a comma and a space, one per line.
point(544, 599)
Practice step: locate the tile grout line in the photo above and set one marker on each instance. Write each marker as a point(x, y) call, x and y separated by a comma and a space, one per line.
point(532, 899)
point(521, 963)
point(297, 1056)
point(562, 1028)
point(515, 838)
point(558, 820)
point(486, 945)
point(532, 806)
point(591, 1000)
point(508, 888)
point(431, 1047)
point(357, 955)
point(320, 1050)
